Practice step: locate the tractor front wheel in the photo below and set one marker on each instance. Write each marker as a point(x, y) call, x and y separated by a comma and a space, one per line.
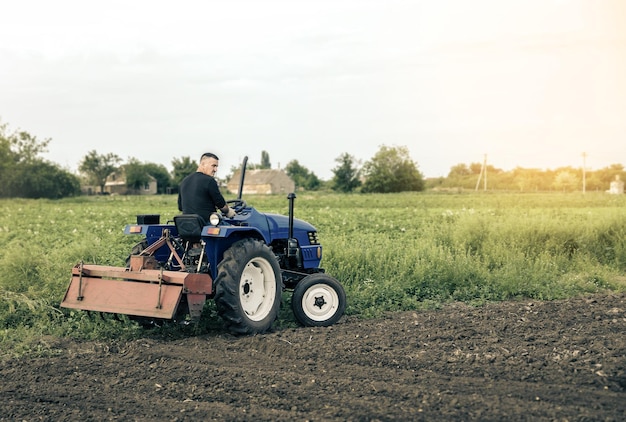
point(248, 287)
point(318, 300)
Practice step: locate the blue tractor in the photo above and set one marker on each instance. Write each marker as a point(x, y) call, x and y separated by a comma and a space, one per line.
point(243, 263)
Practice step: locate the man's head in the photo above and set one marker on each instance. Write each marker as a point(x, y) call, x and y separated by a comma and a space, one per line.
point(208, 164)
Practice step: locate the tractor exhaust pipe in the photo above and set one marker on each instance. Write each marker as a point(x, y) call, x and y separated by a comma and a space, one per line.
point(243, 176)
point(291, 197)
point(293, 248)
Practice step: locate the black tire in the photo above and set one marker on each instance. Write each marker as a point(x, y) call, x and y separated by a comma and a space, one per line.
point(318, 300)
point(137, 249)
point(248, 287)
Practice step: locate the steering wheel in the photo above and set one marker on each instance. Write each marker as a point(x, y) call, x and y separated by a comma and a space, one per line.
point(237, 204)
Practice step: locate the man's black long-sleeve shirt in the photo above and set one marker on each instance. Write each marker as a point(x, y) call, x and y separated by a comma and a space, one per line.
point(199, 194)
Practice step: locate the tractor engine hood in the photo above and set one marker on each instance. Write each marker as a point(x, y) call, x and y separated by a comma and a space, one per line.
point(279, 228)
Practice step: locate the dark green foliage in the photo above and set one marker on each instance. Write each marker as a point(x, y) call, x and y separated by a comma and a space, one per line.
point(265, 160)
point(162, 176)
point(182, 167)
point(98, 167)
point(392, 170)
point(264, 165)
point(600, 179)
point(346, 174)
point(23, 174)
point(136, 174)
point(302, 177)
point(562, 179)
point(41, 179)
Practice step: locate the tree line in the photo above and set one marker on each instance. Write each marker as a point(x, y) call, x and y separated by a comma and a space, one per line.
point(23, 173)
point(390, 170)
point(562, 179)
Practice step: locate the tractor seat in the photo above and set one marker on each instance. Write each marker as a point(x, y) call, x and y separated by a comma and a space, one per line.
point(189, 227)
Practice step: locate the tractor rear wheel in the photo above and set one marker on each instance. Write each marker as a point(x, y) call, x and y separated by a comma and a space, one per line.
point(248, 287)
point(137, 249)
point(318, 300)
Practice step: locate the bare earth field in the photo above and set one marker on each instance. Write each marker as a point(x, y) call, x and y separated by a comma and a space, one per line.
point(531, 360)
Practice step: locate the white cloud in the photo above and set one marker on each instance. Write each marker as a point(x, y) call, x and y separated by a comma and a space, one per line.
point(529, 83)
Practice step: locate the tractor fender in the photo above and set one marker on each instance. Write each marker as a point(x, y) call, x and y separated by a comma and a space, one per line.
point(240, 232)
point(218, 239)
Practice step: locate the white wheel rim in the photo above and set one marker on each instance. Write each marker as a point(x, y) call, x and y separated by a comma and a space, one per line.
point(257, 289)
point(320, 302)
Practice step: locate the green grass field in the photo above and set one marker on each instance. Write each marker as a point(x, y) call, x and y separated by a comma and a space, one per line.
point(391, 252)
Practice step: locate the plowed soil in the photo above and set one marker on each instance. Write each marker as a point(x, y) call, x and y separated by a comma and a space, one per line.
point(531, 360)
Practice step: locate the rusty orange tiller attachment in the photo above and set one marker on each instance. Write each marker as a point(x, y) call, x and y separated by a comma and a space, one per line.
point(140, 290)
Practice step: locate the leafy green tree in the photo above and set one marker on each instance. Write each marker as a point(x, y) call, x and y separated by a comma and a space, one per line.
point(265, 160)
point(18, 148)
point(526, 179)
point(97, 167)
point(7, 161)
point(459, 170)
point(392, 170)
point(566, 180)
point(264, 165)
point(161, 174)
point(28, 147)
point(346, 174)
point(302, 177)
point(43, 179)
point(24, 174)
point(600, 180)
point(476, 168)
point(460, 176)
point(136, 174)
point(466, 177)
point(182, 167)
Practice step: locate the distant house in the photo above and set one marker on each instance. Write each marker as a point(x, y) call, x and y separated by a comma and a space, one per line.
point(116, 184)
point(264, 182)
point(617, 186)
point(89, 189)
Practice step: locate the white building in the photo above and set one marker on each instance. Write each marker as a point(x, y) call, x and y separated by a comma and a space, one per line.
point(617, 186)
point(262, 181)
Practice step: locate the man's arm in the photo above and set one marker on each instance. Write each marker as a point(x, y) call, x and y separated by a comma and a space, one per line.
point(228, 211)
point(219, 201)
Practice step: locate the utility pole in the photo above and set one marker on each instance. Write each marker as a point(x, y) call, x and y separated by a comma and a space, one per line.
point(584, 172)
point(483, 172)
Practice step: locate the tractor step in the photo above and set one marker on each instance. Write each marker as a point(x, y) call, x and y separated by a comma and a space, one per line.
point(145, 292)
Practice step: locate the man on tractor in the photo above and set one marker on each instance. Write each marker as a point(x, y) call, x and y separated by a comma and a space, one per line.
point(199, 193)
point(243, 263)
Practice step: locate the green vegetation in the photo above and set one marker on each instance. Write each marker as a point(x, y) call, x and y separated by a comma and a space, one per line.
point(392, 252)
point(26, 175)
point(302, 177)
point(97, 167)
point(346, 177)
point(390, 170)
point(563, 179)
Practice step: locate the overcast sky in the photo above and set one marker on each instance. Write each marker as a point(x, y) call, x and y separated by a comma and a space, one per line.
point(530, 83)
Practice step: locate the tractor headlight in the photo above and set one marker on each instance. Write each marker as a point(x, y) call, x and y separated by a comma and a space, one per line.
point(215, 219)
point(313, 239)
